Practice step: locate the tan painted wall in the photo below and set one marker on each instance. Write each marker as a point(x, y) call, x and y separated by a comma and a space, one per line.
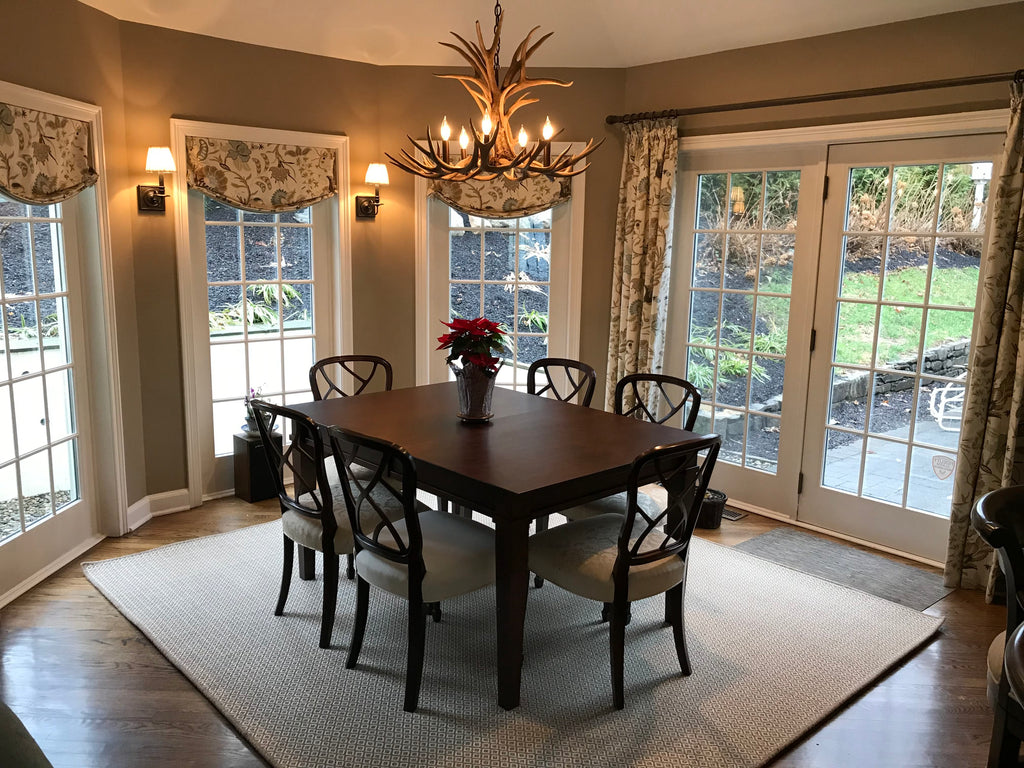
point(77, 54)
point(979, 42)
point(164, 73)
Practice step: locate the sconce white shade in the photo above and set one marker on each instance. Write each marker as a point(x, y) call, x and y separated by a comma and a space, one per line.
point(159, 160)
point(377, 174)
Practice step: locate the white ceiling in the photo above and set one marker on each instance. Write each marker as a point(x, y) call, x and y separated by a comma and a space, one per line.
point(587, 33)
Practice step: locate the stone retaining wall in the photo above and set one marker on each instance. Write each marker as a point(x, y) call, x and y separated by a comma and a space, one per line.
point(946, 360)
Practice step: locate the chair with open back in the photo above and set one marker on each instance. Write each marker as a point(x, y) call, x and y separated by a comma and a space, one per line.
point(567, 380)
point(424, 558)
point(998, 519)
point(618, 559)
point(347, 375)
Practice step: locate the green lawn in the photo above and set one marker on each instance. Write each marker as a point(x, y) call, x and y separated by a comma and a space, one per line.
point(900, 326)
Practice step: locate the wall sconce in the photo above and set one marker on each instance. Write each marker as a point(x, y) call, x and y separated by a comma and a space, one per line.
point(366, 206)
point(158, 160)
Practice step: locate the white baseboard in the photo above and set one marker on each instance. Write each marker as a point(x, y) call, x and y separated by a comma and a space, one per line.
point(818, 529)
point(154, 505)
point(52, 568)
point(218, 494)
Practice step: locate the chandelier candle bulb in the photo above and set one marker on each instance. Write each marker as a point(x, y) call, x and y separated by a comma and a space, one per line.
point(446, 133)
point(485, 125)
point(547, 132)
point(523, 138)
point(463, 143)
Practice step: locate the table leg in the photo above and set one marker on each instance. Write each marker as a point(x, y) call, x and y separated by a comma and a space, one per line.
point(512, 586)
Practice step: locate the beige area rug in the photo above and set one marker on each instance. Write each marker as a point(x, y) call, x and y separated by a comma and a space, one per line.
point(774, 651)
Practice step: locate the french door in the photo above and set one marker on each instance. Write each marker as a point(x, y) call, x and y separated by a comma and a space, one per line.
point(741, 284)
point(901, 246)
point(265, 313)
point(823, 303)
point(45, 488)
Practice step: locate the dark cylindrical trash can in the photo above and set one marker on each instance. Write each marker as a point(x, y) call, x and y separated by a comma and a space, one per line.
point(711, 510)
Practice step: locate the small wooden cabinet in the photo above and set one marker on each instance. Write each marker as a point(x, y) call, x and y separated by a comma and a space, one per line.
point(253, 480)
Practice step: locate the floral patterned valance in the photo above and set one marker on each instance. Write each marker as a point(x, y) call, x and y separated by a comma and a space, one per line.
point(44, 158)
point(503, 198)
point(261, 177)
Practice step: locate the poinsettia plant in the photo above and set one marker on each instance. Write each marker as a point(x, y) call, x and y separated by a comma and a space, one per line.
point(473, 341)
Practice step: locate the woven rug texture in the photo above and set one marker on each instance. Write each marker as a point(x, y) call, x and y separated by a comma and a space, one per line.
point(774, 651)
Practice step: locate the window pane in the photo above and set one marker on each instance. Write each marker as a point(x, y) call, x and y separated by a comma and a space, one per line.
point(265, 366)
point(22, 330)
point(49, 262)
point(745, 201)
point(906, 269)
point(225, 310)
point(848, 401)
point(464, 255)
point(296, 253)
point(931, 481)
point(10, 508)
point(55, 332)
point(16, 259)
point(29, 414)
point(35, 487)
point(535, 255)
point(915, 195)
point(711, 197)
point(214, 210)
point(260, 253)
point(65, 473)
point(499, 256)
point(298, 357)
point(58, 405)
point(297, 301)
point(782, 193)
point(6, 426)
point(885, 466)
point(223, 254)
point(867, 208)
point(843, 453)
point(965, 188)
point(227, 370)
point(707, 261)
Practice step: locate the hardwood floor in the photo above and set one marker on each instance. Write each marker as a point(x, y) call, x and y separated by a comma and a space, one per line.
point(95, 692)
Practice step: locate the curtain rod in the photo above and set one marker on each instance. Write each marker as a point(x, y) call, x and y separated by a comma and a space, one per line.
point(830, 96)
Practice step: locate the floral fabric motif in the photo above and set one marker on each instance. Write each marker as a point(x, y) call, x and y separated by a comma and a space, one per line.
point(44, 158)
point(259, 177)
point(641, 260)
point(990, 455)
point(503, 198)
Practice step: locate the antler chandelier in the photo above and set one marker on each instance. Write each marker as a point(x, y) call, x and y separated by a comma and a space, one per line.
point(496, 150)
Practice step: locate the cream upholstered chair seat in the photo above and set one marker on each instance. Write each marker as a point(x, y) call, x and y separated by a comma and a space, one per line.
point(615, 504)
point(995, 667)
point(458, 554)
point(580, 558)
point(307, 532)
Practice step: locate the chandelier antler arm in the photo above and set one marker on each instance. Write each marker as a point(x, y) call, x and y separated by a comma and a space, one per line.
point(476, 58)
point(479, 97)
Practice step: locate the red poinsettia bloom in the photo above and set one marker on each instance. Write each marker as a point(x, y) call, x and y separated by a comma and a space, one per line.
point(473, 341)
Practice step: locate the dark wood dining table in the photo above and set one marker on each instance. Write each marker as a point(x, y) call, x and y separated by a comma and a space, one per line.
point(535, 457)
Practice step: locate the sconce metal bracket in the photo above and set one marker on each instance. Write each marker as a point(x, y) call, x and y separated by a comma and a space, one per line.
point(152, 199)
point(367, 206)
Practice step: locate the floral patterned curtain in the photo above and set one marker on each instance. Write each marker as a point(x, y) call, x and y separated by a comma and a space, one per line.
point(44, 158)
point(503, 198)
point(260, 177)
point(642, 242)
point(990, 454)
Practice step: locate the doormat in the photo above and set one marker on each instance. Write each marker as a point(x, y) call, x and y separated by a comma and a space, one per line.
point(909, 585)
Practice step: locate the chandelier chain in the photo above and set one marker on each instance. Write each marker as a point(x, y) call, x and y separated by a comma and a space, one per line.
point(497, 38)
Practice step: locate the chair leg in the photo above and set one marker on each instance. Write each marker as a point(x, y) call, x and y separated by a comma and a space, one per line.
point(1004, 748)
point(359, 623)
point(350, 568)
point(414, 666)
point(617, 643)
point(434, 611)
point(286, 575)
point(674, 606)
point(542, 525)
point(606, 612)
point(331, 567)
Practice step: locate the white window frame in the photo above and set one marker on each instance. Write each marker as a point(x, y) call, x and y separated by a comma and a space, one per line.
point(56, 541)
point(427, 329)
point(192, 344)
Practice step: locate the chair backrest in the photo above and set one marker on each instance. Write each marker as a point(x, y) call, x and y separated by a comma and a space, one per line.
point(310, 494)
point(685, 476)
point(327, 376)
point(674, 392)
point(393, 478)
point(998, 517)
point(565, 379)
